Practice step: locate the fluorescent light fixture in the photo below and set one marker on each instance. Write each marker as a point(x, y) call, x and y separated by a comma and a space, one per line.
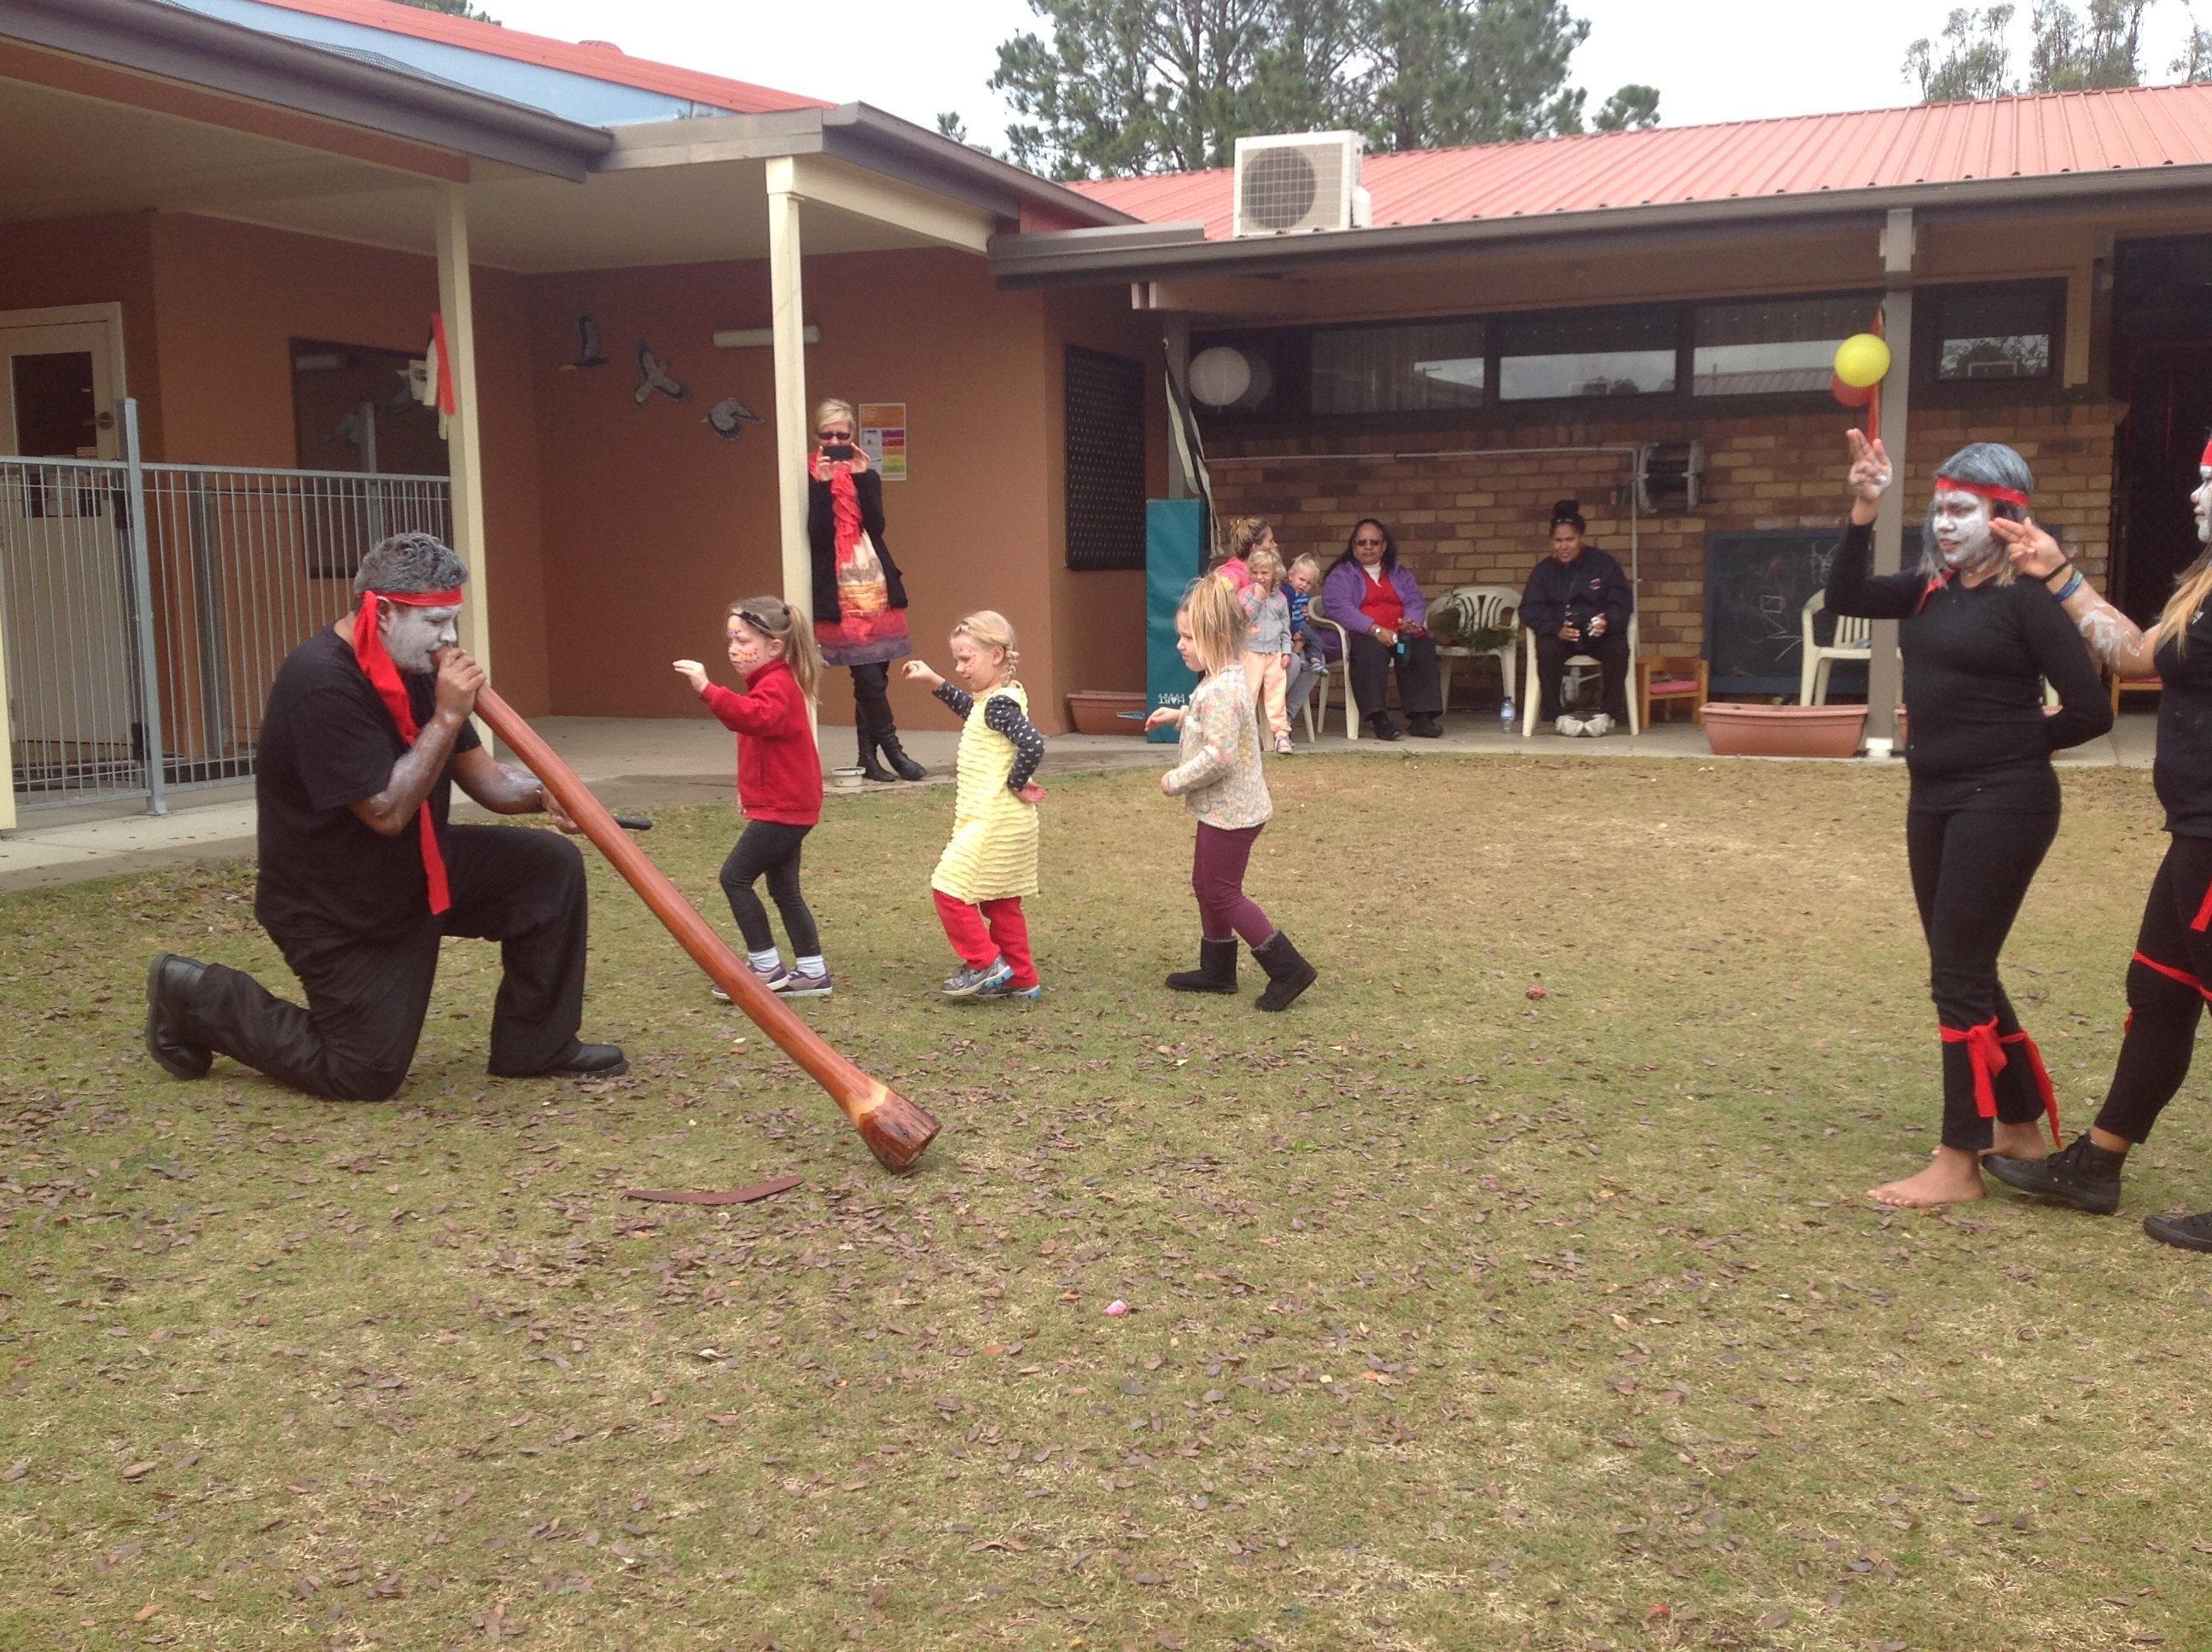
point(748, 339)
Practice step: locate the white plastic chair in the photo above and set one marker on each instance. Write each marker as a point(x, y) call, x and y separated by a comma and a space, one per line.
point(1495, 608)
point(1854, 640)
point(1536, 688)
point(1342, 666)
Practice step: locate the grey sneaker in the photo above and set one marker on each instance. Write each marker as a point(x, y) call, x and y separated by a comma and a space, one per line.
point(1569, 726)
point(766, 977)
point(787, 982)
point(968, 982)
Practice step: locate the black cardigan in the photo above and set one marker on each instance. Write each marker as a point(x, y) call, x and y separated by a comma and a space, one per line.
point(822, 537)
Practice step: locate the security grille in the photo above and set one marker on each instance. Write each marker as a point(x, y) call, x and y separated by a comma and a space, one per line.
point(1105, 461)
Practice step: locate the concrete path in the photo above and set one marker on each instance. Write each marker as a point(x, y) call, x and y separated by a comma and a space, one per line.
point(640, 763)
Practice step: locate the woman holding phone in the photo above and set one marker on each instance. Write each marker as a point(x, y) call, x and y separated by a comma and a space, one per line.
point(860, 600)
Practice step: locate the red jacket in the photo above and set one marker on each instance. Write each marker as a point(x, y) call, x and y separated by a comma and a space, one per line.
point(779, 770)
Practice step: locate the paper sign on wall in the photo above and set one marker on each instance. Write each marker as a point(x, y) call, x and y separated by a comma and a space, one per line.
point(882, 436)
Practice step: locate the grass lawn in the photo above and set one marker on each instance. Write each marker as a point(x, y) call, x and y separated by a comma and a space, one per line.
point(1458, 1318)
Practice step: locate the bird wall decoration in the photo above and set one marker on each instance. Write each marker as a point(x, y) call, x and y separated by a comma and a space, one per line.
point(589, 352)
point(657, 375)
point(728, 418)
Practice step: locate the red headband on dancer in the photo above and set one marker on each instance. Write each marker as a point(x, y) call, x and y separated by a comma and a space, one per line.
point(2205, 463)
point(384, 676)
point(1985, 490)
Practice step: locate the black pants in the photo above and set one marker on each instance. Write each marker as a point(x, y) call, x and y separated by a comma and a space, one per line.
point(872, 700)
point(768, 846)
point(1418, 693)
point(366, 998)
point(2166, 993)
point(1971, 871)
point(1611, 653)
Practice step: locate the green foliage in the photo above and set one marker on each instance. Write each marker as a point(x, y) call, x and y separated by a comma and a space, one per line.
point(1632, 109)
point(453, 8)
point(2195, 62)
point(2098, 47)
point(1977, 61)
point(2072, 52)
point(1121, 87)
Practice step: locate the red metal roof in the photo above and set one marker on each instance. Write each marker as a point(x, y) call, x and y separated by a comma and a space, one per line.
point(1805, 154)
point(598, 60)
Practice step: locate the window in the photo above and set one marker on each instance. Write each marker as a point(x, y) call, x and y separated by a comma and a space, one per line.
point(1105, 483)
point(1995, 332)
point(1398, 369)
point(1604, 353)
point(1782, 346)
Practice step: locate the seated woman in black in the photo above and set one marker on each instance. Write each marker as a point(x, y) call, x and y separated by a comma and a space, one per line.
point(1978, 645)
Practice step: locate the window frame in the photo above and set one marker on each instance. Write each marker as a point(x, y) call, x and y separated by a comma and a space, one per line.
point(1928, 335)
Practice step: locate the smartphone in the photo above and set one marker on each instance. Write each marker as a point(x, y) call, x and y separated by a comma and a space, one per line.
point(839, 450)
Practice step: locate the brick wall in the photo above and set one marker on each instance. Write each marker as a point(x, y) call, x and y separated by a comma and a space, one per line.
point(1482, 518)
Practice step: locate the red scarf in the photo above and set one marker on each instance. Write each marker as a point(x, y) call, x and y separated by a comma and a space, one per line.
point(383, 676)
point(844, 513)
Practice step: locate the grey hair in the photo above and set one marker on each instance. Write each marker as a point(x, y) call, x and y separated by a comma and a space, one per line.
point(1988, 464)
point(409, 562)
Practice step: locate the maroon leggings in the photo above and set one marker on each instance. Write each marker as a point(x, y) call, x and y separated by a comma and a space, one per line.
point(1217, 876)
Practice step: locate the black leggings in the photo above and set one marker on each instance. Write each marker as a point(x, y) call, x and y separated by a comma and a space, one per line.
point(2165, 992)
point(1971, 871)
point(770, 846)
point(872, 700)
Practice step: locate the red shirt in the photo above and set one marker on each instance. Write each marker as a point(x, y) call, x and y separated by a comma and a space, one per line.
point(1381, 604)
point(779, 770)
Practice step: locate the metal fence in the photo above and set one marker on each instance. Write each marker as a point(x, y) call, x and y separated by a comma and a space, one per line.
point(144, 608)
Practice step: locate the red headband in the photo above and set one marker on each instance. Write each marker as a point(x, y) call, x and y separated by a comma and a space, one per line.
point(376, 665)
point(2205, 463)
point(1984, 490)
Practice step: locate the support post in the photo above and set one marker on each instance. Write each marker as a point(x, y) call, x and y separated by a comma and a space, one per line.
point(464, 443)
point(1883, 686)
point(787, 325)
point(141, 605)
point(1175, 327)
point(7, 727)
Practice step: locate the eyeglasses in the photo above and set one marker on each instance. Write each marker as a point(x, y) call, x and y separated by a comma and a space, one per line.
point(835, 435)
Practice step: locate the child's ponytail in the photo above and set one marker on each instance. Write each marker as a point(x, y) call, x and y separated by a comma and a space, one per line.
point(775, 619)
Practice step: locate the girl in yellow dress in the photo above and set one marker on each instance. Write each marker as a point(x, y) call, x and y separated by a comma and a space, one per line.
point(992, 861)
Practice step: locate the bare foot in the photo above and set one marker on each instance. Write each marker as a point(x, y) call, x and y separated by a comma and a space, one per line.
point(2019, 1140)
point(1953, 1177)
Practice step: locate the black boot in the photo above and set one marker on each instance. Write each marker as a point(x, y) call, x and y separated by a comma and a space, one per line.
point(2085, 1175)
point(1288, 974)
point(1384, 728)
point(2188, 1232)
point(1216, 971)
point(894, 755)
point(869, 768)
point(169, 988)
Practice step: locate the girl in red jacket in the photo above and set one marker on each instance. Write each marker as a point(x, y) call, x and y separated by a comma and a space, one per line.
point(779, 785)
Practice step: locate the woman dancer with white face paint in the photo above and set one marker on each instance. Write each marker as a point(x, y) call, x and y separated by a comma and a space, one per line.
point(1978, 645)
point(2172, 963)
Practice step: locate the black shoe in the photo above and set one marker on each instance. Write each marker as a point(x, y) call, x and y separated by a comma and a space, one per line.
point(1384, 728)
point(1288, 974)
point(169, 985)
point(869, 768)
point(1216, 971)
point(2085, 1175)
point(2188, 1232)
point(894, 755)
point(1426, 728)
point(590, 1061)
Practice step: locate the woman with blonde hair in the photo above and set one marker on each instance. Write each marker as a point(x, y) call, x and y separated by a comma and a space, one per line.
point(2172, 969)
point(1220, 782)
point(860, 598)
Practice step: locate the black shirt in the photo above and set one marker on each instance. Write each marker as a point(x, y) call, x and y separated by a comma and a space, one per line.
point(328, 742)
point(1975, 661)
point(1590, 585)
point(2183, 768)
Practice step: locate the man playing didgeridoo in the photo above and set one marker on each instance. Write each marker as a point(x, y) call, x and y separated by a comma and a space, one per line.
point(1978, 645)
point(2172, 962)
point(367, 729)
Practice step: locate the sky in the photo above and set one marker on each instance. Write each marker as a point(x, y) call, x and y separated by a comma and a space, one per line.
point(1714, 60)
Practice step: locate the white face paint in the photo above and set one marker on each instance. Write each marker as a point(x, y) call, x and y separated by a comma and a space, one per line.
point(412, 636)
point(1961, 523)
point(2201, 499)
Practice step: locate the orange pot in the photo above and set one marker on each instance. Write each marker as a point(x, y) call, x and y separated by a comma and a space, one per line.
point(1784, 730)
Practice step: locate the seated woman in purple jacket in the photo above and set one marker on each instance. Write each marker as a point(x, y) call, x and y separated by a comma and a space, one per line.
point(1385, 621)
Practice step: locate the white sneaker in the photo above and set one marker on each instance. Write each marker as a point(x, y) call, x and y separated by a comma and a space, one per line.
point(1598, 726)
point(1569, 726)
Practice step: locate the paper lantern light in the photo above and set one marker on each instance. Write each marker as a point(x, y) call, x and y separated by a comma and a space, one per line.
point(1862, 360)
point(1219, 376)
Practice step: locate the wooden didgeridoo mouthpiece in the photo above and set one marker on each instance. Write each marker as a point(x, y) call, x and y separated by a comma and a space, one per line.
point(895, 1129)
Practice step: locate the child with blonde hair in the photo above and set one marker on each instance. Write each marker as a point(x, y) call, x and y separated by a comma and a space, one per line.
point(1267, 643)
point(779, 785)
point(1219, 781)
point(991, 862)
point(1307, 663)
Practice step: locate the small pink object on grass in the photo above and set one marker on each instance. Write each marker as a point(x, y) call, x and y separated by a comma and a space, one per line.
point(1115, 1309)
point(1534, 992)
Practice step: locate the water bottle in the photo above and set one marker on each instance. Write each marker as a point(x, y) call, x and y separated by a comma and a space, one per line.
point(1505, 715)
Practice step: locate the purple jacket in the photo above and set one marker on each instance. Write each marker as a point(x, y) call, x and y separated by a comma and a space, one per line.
point(1346, 588)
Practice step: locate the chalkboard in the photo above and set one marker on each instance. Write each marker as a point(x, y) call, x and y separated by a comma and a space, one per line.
point(1756, 585)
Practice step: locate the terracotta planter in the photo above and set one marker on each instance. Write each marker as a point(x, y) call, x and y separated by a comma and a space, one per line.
point(1784, 730)
point(1098, 711)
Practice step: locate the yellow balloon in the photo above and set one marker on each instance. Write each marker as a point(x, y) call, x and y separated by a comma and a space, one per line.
point(1861, 360)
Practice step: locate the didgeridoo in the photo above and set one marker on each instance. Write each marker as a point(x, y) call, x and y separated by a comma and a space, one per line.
point(895, 1129)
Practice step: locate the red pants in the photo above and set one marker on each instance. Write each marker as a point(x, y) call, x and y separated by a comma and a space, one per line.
point(993, 929)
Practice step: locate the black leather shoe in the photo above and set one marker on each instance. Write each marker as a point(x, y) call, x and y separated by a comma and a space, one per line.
point(869, 768)
point(169, 985)
point(894, 754)
point(1426, 728)
point(590, 1061)
point(1385, 729)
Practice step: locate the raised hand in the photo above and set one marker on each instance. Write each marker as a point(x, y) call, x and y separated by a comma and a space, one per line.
point(916, 671)
point(459, 677)
point(2033, 551)
point(1870, 474)
point(692, 673)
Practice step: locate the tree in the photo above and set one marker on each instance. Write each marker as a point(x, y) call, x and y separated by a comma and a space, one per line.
point(2195, 62)
point(453, 8)
point(2074, 53)
point(1978, 61)
point(1136, 86)
point(1632, 109)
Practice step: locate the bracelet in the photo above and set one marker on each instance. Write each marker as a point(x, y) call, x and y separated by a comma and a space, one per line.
point(2071, 586)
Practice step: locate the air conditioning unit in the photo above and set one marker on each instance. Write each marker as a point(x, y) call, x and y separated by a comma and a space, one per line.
point(1309, 180)
point(1670, 476)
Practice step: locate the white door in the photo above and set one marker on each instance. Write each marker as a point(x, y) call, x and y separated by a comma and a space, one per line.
point(65, 592)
